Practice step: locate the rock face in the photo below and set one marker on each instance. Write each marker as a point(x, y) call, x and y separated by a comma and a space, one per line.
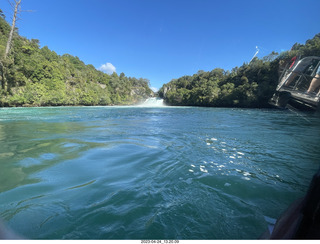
point(163, 91)
point(140, 94)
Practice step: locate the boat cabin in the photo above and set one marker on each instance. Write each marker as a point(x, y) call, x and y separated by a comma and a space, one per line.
point(299, 85)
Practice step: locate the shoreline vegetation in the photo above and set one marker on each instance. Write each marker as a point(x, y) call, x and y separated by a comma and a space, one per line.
point(31, 76)
point(249, 86)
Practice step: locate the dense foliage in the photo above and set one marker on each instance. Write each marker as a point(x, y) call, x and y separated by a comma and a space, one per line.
point(34, 76)
point(251, 85)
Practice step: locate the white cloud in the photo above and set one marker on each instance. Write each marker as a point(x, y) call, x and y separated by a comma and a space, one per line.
point(107, 68)
point(154, 89)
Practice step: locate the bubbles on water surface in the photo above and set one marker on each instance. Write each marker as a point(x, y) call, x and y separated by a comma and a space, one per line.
point(136, 173)
point(226, 160)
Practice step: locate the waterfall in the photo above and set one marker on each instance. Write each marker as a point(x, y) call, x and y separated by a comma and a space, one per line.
point(152, 102)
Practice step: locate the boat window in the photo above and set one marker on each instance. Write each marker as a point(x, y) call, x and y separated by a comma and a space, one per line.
point(302, 74)
point(309, 70)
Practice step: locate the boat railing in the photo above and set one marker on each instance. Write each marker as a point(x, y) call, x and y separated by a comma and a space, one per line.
point(299, 81)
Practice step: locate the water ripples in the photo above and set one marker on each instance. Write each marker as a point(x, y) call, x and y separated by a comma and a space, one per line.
point(150, 173)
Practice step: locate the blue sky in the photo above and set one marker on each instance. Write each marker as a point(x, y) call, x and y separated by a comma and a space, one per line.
point(165, 39)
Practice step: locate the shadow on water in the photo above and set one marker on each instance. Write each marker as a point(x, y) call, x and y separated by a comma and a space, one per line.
point(30, 147)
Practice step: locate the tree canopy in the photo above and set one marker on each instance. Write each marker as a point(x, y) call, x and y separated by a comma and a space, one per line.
point(38, 76)
point(251, 85)
point(31, 75)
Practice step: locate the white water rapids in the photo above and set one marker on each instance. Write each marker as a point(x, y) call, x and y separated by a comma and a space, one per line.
point(152, 102)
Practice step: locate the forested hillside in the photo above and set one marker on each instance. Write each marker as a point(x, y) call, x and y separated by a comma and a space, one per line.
point(34, 76)
point(251, 85)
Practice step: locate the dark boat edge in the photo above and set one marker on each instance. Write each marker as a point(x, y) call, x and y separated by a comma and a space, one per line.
point(302, 219)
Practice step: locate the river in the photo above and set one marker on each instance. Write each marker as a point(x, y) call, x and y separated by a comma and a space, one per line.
point(152, 172)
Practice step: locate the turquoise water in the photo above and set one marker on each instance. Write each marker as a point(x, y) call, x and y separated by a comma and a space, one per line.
point(152, 173)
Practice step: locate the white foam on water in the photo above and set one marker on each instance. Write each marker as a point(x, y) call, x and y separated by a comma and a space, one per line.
point(245, 178)
point(203, 170)
point(152, 102)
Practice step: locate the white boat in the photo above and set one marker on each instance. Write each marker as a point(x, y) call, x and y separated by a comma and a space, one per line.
point(294, 85)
